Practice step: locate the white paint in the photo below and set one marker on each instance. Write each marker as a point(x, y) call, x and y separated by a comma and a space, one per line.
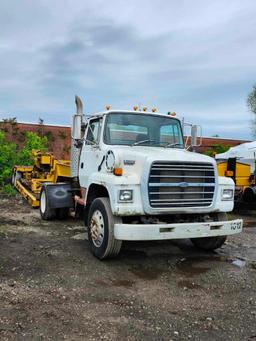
point(178, 231)
point(135, 178)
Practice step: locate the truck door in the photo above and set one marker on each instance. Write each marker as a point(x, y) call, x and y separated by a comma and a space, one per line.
point(91, 155)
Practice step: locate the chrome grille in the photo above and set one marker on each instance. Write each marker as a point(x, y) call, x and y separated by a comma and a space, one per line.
point(181, 184)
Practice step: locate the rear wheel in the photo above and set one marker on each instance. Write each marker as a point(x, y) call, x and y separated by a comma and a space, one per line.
point(46, 212)
point(101, 230)
point(211, 243)
point(15, 176)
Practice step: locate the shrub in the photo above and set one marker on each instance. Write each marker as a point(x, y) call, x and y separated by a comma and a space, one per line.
point(33, 141)
point(10, 155)
point(217, 149)
point(8, 189)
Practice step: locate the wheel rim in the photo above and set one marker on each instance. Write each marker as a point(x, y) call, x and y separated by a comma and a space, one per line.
point(13, 180)
point(97, 228)
point(43, 202)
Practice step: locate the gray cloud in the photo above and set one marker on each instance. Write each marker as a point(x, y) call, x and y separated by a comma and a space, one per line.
point(195, 58)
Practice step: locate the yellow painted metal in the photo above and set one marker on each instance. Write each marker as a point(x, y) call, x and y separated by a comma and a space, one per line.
point(27, 194)
point(45, 169)
point(242, 175)
point(45, 159)
point(243, 172)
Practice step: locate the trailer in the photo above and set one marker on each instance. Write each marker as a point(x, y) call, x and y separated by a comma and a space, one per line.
point(28, 180)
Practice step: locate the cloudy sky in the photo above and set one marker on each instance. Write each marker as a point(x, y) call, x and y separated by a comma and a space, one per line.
point(197, 58)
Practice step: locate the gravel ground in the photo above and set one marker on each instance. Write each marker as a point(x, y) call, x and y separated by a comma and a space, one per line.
point(52, 288)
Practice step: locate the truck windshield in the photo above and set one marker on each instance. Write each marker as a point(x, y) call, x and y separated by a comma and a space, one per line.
point(142, 129)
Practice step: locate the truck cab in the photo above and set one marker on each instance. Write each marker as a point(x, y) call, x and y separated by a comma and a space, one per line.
point(137, 181)
point(152, 187)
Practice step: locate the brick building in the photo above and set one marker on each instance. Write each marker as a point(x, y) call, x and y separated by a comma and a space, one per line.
point(59, 137)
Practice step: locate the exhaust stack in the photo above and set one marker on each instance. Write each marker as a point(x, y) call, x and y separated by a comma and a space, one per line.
point(76, 134)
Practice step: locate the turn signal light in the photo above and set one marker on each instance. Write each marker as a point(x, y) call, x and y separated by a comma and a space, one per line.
point(118, 171)
point(229, 173)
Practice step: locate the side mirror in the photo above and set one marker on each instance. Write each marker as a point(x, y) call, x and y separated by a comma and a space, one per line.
point(78, 143)
point(196, 133)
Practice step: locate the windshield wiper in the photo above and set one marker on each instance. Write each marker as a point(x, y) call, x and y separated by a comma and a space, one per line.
point(141, 142)
point(172, 144)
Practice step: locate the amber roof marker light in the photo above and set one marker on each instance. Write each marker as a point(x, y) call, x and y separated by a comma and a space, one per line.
point(172, 113)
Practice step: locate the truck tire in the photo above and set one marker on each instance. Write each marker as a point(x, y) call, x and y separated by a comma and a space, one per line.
point(211, 243)
point(15, 176)
point(101, 230)
point(46, 212)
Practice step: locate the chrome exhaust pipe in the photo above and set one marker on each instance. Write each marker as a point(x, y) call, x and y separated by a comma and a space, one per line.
point(76, 134)
point(79, 105)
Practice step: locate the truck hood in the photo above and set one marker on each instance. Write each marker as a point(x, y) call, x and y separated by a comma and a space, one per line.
point(137, 153)
point(136, 160)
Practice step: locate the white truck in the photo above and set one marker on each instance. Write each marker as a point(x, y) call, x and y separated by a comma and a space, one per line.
point(135, 180)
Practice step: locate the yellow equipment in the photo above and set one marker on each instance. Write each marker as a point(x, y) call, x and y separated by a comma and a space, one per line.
point(29, 179)
point(241, 174)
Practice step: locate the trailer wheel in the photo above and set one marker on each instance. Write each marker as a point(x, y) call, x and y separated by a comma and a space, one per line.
point(101, 230)
point(211, 243)
point(46, 212)
point(15, 176)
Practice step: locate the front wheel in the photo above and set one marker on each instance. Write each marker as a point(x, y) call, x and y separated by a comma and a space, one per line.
point(101, 230)
point(211, 243)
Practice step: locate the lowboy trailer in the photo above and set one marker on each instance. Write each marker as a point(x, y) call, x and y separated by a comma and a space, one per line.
point(28, 180)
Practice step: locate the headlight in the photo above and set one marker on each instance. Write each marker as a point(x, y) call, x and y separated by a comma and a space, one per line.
point(227, 194)
point(125, 195)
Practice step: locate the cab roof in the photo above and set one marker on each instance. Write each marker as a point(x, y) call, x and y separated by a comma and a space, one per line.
point(102, 113)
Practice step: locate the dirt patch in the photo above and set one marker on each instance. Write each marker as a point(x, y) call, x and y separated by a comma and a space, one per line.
point(186, 284)
point(52, 288)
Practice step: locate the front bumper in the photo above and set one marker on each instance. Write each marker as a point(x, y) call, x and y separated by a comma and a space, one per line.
point(177, 231)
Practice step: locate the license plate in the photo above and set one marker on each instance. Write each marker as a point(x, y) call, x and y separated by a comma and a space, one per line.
point(236, 225)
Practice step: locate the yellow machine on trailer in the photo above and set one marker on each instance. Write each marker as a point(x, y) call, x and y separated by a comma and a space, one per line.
point(28, 180)
point(245, 180)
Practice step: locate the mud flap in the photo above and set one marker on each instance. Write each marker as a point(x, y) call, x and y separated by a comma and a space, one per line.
point(59, 195)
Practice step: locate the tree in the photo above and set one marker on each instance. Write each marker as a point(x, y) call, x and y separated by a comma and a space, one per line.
point(251, 103)
point(251, 100)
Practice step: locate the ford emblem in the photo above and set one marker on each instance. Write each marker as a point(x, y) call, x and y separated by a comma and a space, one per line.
point(183, 184)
